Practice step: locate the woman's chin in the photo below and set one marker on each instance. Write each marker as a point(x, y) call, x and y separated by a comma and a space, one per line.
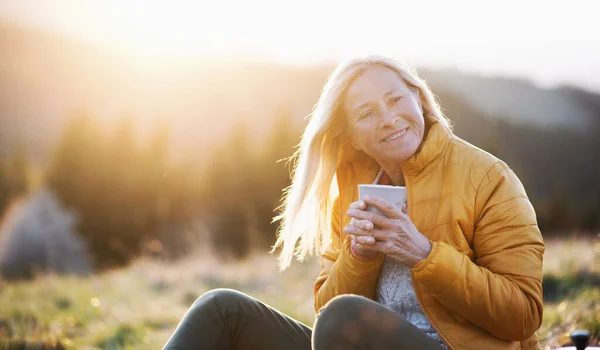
point(399, 154)
point(395, 157)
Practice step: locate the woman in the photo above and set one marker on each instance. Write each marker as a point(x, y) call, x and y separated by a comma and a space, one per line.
point(459, 266)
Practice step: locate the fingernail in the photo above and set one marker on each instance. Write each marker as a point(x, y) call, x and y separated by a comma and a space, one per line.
point(366, 198)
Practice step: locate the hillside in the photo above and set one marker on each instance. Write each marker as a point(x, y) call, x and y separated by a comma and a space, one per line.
point(44, 78)
point(548, 136)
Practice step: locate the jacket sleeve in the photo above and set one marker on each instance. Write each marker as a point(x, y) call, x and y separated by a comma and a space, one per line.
point(342, 272)
point(501, 290)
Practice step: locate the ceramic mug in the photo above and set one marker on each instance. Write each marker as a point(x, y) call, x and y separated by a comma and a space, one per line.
point(393, 194)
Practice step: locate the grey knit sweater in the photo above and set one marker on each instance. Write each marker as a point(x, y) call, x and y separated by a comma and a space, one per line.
point(395, 291)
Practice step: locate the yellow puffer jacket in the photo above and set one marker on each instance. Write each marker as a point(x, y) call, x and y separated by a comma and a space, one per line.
point(481, 286)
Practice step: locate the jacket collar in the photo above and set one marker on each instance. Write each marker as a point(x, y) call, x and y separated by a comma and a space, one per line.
point(430, 152)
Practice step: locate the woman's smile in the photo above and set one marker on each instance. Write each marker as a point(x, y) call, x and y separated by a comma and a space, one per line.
point(395, 136)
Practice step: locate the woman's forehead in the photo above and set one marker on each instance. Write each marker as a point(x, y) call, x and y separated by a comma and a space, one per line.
point(373, 83)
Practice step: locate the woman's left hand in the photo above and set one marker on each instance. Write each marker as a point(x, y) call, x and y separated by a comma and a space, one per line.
point(395, 234)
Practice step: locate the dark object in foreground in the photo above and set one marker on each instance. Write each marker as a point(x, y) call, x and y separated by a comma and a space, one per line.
point(580, 338)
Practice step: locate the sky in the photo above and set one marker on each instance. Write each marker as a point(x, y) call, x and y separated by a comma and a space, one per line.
point(549, 42)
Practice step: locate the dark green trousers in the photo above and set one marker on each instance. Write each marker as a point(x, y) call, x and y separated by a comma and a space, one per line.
point(227, 319)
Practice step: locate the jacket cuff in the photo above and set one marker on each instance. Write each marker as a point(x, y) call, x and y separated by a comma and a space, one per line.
point(440, 269)
point(355, 268)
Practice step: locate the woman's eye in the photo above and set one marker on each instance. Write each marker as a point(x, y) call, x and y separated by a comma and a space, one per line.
point(396, 99)
point(366, 114)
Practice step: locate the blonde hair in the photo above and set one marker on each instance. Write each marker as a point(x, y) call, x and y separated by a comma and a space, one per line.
point(307, 203)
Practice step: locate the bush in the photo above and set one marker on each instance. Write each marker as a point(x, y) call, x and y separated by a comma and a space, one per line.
point(39, 236)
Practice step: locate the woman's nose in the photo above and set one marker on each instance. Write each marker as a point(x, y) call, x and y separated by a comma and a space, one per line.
point(389, 118)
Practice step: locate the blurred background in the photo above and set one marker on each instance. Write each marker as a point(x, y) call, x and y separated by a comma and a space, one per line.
point(143, 146)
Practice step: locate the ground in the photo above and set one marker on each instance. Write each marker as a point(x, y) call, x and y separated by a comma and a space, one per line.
point(139, 306)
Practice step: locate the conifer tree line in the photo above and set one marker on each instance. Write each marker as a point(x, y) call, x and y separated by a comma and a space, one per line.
point(130, 197)
point(14, 174)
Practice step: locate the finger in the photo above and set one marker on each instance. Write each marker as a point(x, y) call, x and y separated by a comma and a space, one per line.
point(381, 235)
point(387, 208)
point(364, 248)
point(384, 247)
point(362, 224)
point(374, 218)
point(366, 240)
point(353, 230)
point(360, 204)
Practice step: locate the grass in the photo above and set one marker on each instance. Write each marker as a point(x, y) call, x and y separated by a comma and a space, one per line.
point(571, 290)
point(138, 307)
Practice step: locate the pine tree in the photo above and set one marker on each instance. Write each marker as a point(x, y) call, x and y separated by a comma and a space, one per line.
point(153, 198)
point(230, 191)
point(13, 177)
point(18, 171)
point(272, 177)
point(76, 163)
point(4, 188)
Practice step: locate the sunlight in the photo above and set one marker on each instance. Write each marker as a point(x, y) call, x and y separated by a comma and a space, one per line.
point(154, 29)
point(464, 34)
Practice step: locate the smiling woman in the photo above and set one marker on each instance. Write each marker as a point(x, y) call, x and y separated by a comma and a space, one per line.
point(374, 104)
point(462, 266)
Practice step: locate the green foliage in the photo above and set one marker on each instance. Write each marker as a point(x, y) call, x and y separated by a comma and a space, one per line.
point(127, 195)
point(13, 177)
point(568, 285)
point(131, 312)
point(244, 189)
point(122, 308)
point(274, 176)
point(118, 189)
point(124, 336)
point(580, 311)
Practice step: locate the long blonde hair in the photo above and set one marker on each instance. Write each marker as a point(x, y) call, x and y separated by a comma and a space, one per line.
point(307, 203)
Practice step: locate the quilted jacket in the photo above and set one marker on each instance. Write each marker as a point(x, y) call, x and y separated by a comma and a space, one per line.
point(481, 285)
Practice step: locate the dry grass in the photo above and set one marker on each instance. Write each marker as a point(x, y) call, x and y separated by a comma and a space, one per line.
point(572, 290)
point(572, 255)
point(139, 307)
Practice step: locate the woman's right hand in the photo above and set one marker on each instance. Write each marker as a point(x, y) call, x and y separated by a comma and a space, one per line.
point(361, 233)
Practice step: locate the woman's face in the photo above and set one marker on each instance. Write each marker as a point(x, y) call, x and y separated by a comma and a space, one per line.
point(384, 115)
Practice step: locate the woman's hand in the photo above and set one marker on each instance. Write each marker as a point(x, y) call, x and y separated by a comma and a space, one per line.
point(393, 233)
point(360, 232)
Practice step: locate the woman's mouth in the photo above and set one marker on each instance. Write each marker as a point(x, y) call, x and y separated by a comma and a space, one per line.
point(395, 136)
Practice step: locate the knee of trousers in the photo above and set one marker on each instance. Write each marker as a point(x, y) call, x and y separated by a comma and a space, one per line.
point(220, 300)
point(339, 310)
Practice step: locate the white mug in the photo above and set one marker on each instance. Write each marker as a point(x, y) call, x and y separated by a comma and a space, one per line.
point(393, 194)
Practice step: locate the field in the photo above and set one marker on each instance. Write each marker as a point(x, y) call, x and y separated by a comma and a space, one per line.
point(138, 307)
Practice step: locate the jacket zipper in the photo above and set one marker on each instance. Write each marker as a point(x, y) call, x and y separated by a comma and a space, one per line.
point(417, 290)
